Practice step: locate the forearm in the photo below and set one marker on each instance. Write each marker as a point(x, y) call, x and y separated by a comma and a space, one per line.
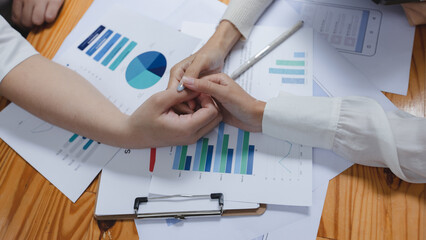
point(225, 37)
point(63, 98)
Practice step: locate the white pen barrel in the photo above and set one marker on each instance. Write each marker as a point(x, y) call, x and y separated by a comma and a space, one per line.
point(265, 50)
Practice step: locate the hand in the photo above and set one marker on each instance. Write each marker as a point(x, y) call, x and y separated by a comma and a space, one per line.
point(208, 60)
point(155, 124)
point(69, 101)
point(30, 13)
point(238, 107)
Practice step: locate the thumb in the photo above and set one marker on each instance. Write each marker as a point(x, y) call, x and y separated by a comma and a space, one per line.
point(166, 99)
point(194, 69)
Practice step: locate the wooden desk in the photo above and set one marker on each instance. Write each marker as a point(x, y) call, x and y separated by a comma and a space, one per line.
point(362, 202)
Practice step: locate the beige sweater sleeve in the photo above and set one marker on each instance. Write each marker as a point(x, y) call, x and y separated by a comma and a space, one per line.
point(244, 14)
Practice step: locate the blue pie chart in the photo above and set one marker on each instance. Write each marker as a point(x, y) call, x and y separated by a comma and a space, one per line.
point(145, 70)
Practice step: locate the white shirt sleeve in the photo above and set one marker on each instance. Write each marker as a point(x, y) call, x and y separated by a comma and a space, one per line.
point(244, 14)
point(13, 48)
point(355, 128)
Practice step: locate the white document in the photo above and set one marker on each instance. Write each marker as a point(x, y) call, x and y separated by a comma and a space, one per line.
point(128, 175)
point(123, 179)
point(289, 67)
point(248, 166)
point(304, 229)
point(236, 228)
point(70, 162)
point(168, 12)
point(127, 64)
point(376, 39)
point(276, 220)
point(332, 71)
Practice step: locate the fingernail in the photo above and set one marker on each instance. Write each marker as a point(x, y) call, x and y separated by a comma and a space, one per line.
point(180, 87)
point(188, 81)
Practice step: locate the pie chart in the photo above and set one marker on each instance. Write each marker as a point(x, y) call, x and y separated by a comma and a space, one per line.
point(145, 70)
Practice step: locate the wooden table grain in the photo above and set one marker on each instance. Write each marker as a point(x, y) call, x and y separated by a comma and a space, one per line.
point(361, 203)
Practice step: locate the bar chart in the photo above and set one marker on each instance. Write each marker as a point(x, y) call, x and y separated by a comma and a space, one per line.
point(292, 71)
point(225, 158)
point(102, 46)
point(249, 166)
point(236, 163)
point(78, 147)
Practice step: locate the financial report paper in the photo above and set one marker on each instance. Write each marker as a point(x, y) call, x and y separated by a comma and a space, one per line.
point(245, 166)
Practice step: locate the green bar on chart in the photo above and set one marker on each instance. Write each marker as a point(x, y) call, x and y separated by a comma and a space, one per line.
point(183, 157)
point(114, 51)
point(203, 155)
point(290, 63)
point(224, 153)
point(122, 55)
point(244, 158)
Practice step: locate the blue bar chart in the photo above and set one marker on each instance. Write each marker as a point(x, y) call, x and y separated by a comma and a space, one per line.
point(79, 146)
point(100, 48)
point(225, 158)
point(292, 70)
point(111, 49)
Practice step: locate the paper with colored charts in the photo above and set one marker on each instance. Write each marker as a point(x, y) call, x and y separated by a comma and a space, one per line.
point(128, 58)
point(249, 167)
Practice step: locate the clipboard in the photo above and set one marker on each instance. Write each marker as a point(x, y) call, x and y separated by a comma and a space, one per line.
point(124, 187)
point(213, 206)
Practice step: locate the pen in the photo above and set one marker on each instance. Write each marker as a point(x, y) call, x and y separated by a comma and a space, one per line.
point(266, 50)
point(260, 54)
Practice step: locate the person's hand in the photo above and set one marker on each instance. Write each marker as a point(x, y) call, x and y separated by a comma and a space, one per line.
point(30, 13)
point(238, 107)
point(155, 124)
point(208, 60)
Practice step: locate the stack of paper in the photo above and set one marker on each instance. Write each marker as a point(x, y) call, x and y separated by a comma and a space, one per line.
point(116, 58)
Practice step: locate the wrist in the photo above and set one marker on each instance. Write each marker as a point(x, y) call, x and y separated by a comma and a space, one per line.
point(259, 108)
point(225, 36)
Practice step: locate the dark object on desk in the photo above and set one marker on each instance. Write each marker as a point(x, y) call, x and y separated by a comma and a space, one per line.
point(388, 2)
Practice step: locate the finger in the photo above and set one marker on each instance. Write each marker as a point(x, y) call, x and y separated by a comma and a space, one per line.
point(177, 71)
point(182, 108)
point(17, 6)
point(27, 12)
point(205, 99)
point(194, 69)
point(166, 99)
point(52, 10)
point(212, 86)
point(209, 127)
point(201, 117)
point(38, 13)
point(192, 104)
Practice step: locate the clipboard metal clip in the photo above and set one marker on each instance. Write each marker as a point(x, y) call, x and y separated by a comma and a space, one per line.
point(180, 215)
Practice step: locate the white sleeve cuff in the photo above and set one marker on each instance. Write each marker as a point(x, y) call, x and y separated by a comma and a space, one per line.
point(310, 121)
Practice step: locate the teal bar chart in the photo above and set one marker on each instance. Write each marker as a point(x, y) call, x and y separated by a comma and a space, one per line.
point(292, 70)
point(225, 159)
